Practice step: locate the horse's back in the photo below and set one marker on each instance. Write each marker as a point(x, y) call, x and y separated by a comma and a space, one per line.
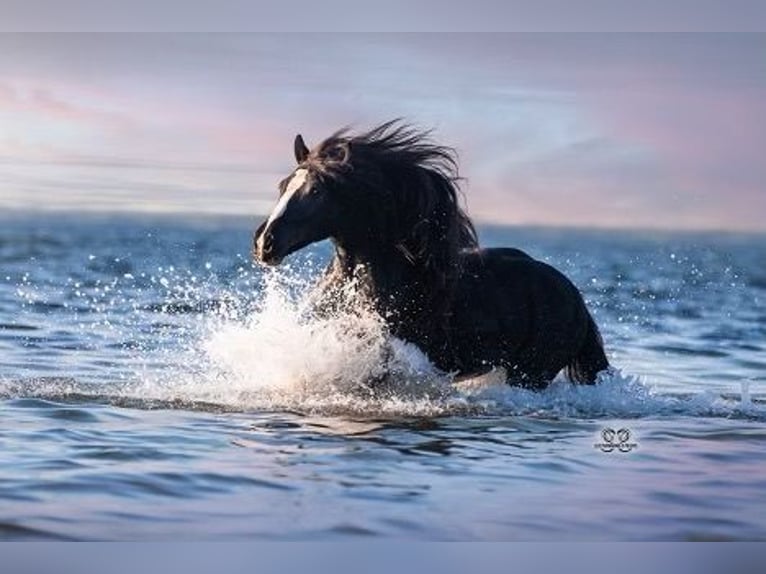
point(514, 272)
point(494, 252)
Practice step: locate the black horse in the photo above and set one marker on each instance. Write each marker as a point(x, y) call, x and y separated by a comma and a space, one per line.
point(388, 200)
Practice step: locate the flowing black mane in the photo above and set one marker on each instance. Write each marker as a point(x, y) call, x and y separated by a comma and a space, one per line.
point(417, 178)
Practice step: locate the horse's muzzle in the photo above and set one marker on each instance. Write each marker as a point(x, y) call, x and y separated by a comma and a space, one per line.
point(273, 242)
point(264, 247)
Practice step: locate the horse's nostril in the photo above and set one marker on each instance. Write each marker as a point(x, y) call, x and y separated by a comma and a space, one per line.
point(264, 245)
point(267, 242)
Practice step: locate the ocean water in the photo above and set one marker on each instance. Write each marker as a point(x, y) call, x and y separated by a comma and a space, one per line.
point(156, 385)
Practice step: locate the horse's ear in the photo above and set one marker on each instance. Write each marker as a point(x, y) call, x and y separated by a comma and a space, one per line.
point(301, 151)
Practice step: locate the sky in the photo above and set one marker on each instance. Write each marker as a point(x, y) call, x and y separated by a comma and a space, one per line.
point(596, 130)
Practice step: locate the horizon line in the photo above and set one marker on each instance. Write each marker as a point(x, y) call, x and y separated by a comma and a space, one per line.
point(191, 212)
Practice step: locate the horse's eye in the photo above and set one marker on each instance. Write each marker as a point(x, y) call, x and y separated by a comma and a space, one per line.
point(337, 153)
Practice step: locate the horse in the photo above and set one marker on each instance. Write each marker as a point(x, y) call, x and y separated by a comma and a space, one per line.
point(388, 199)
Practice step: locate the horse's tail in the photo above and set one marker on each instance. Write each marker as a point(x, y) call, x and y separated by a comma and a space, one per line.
point(590, 359)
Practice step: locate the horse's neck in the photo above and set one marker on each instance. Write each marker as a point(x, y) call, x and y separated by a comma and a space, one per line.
point(381, 274)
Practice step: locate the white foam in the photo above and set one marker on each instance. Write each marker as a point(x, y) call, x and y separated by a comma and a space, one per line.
point(280, 357)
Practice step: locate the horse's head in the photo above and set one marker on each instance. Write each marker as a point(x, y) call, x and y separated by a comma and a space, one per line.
point(308, 209)
point(387, 189)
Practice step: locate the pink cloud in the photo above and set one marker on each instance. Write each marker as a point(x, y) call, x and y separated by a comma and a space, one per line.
point(710, 144)
point(42, 101)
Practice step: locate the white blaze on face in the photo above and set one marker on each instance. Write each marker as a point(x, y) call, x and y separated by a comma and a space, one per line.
point(296, 182)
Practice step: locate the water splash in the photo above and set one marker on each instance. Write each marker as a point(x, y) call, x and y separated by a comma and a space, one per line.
point(281, 356)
